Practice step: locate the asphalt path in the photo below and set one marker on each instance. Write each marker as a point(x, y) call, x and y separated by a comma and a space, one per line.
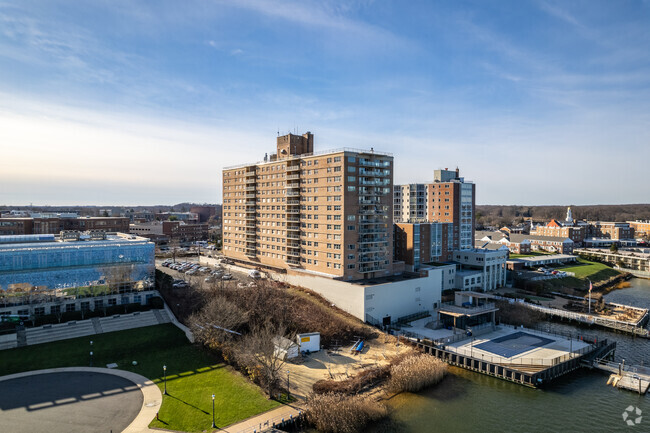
point(80, 402)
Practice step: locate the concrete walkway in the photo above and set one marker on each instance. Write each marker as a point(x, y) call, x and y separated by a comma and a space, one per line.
point(263, 421)
point(150, 404)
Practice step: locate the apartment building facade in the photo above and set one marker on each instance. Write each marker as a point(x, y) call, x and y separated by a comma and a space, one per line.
point(420, 243)
point(610, 230)
point(554, 228)
point(327, 213)
point(410, 202)
point(640, 227)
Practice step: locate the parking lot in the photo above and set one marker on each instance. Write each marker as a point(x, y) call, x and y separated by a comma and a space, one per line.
point(188, 271)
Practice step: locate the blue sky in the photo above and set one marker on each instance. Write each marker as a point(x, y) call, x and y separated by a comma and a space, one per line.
point(125, 102)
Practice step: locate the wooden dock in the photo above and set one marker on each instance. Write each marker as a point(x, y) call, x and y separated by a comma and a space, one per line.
point(634, 328)
point(531, 375)
point(633, 378)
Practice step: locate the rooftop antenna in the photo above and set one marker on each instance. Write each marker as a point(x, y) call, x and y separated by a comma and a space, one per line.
point(278, 131)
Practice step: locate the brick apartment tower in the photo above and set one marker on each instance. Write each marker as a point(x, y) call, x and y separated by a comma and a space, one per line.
point(327, 213)
point(452, 200)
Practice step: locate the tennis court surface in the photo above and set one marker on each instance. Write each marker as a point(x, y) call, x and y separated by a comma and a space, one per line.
point(514, 344)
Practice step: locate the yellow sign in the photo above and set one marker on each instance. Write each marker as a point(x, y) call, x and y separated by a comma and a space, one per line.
point(304, 339)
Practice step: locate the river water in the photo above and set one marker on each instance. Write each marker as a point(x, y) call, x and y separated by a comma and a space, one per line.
point(579, 402)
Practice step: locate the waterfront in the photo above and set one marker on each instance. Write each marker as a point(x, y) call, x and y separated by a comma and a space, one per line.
point(466, 401)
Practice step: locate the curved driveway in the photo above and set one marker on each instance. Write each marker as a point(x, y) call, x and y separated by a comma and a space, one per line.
point(77, 400)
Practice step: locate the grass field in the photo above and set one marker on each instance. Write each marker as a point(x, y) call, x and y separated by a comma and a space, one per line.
point(593, 270)
point(192, 374)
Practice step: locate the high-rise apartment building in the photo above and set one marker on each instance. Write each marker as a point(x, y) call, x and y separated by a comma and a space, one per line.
point(327, 213)
point(410, 202)
point(452, 200)
point(449, 199)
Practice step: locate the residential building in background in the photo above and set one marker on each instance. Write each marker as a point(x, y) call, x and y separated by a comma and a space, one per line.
point(610, 230)
point(641, 228)
point(453, 200)
point(183, 232)
point(480, 269)
point(207, 212)
point(449, 199)
point(327, 213)
point(188, 217)
point(410, 202)
point(554, 228)
point(421, 243)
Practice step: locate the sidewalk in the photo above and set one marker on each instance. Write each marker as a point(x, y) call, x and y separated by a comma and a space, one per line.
point(263, 421)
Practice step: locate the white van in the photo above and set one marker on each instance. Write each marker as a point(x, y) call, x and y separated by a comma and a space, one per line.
point(254, 274)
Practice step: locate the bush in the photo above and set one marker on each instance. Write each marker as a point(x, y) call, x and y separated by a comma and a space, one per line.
point(353, 385)
point(415, 373)
point(338, 413)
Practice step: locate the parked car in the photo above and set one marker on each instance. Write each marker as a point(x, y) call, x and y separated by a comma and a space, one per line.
point(227, 277)
point(255, 274)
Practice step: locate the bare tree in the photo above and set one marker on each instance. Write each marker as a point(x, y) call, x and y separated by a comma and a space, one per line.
point(211, 325)
point(259, 352)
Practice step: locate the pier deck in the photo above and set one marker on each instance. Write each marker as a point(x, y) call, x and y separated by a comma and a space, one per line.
point(527, 357)
point(630, 377)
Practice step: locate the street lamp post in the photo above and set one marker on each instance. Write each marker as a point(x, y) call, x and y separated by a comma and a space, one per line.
point(213, 424)
point(91, 358)
point(288, 386)
point(165, 375)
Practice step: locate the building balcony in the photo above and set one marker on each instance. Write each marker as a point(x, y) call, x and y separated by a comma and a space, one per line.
point(369, 269)
point(250, 173)
point(293, 211)
point(371, 259)
point(250, 209)
point(369, 201)
point(293, 177)
point(293, 219)
point(293, 244)
point(371, 231)
point(294, 236)
point(370, 250)
point(370, 221)
point(371, 173)
point(250, 226)
point(293, 167)
point(250, 188)
point(293, 202)
point(291, 193)
point(250, 180)
point(292, 185)
point(372, 240)
point(372, 212)
point(293, 253)
point(293, 228)
point(293, 262)
point(250, 217)
point(249, 195)
point(368, 163)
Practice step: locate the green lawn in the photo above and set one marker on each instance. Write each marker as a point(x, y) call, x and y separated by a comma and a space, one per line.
point(593, 270)
point(193, 375)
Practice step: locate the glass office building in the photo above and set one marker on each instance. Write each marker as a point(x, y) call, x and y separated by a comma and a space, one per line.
point(76, 260)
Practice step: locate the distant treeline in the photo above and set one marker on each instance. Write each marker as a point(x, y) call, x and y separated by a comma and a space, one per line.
point(491, 215)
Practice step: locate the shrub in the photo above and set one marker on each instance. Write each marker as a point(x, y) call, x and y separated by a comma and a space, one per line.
point(353, 385)
point(337, 413)
point(415, 373)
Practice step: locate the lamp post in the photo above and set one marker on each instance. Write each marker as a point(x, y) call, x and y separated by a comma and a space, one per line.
point(165, 375)
point(213, 424)
point(91, 358)
point(288, 386)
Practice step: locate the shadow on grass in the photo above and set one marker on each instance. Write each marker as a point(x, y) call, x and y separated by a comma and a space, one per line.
point(186, 403)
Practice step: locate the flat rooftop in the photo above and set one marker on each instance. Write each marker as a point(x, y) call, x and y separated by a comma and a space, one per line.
point(519, 346)
point(23, 242)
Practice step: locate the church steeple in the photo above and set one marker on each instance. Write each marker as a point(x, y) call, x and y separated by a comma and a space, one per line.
point(569, 217)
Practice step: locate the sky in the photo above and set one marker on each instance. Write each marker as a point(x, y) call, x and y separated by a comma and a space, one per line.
point(144, 102)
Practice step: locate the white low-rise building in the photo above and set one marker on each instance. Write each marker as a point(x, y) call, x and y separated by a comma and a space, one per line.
point(480, 269)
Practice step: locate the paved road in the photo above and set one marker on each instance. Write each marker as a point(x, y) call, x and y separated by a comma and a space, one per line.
point(80, 402)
